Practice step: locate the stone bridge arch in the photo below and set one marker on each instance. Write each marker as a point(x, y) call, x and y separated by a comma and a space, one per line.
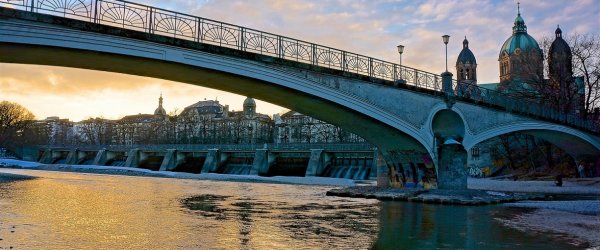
point(574, 142)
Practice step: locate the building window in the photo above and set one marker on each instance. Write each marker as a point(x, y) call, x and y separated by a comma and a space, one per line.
point(475, 152)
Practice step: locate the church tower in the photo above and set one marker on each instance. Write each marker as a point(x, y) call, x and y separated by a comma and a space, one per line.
point(569, 94)
point(160, 110)
point(520, 60)
point(466, 65)
point(560, 66)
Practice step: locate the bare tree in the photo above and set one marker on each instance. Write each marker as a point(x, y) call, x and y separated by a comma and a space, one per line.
point(586, 63)
point(14, 118)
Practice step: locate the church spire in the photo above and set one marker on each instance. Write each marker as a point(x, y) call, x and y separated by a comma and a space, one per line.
point(519, 22)
point(160, 110)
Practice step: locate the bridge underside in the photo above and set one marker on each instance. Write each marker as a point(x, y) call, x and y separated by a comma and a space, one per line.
point(384, 136)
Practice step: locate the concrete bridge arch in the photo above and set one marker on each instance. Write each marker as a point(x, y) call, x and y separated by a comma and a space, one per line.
point(301, 90)
point(574, 142)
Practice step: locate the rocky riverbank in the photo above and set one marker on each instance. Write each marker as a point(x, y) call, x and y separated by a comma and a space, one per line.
point(435, 196)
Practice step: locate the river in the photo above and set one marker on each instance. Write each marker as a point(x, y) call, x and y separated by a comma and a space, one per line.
point(62, 210)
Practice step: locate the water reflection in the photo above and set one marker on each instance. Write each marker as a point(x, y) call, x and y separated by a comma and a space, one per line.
point(70, 210)
point(424, 226)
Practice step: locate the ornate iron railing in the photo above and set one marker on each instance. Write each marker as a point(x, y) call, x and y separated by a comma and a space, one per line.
point(159, 21)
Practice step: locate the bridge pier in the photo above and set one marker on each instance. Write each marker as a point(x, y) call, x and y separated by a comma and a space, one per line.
point(72, 157)
point(383, 171)
point(133, 158)
point(452, 166)
point(214, 160)
point(46, 157)
point(101, 158)
point(317, 162)
point(263, 160)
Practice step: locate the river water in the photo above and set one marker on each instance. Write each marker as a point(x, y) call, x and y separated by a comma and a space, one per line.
point(87, 211)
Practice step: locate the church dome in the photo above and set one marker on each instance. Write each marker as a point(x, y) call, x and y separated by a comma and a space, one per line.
point(249, 102)
point(559, 45)
point(520, 41)
point(160, 110)
point(466, 55)
point(249, 106)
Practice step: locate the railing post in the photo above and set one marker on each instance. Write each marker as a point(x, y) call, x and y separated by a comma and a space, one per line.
point(395, 72)
point(150, 22)
point(95, 11)
point(280, 46)
point(447, 83)
point(32, 5)
point(370, 67)
point(344, 66)
point(313, 48)
point(416, 78)
point(241, 40)
point(198, 29)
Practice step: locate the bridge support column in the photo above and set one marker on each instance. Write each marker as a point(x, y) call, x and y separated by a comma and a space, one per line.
point(170, 161)
point(133, 158)
point(46, 157)
point(213, 161)
point(452, 166)
point(317, 163)
point(72, 157)
point(101, 158)
point(383, 171)
point(263, 160)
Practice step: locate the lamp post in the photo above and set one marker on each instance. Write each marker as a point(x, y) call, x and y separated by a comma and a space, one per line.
point(446, 38)
point(400, 50)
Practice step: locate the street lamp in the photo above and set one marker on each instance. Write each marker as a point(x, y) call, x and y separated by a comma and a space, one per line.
point(400, 50)
point(446, 39)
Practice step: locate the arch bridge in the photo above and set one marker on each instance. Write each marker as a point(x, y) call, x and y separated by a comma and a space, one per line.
point(411, 115)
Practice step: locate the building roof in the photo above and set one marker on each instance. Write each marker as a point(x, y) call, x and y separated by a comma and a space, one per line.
point(559, 45)
point(490, 86)
point(519, 39)
point(160, 110)
point(466, 55)
point(249, 102)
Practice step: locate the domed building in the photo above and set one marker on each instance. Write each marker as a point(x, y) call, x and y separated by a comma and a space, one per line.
point(160, 110)
point(249, 107)
point(520, 60)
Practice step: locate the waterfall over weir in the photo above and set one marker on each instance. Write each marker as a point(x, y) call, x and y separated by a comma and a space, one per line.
point(350, 168)
point(239, 169)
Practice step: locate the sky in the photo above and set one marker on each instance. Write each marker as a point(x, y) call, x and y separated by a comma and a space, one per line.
point(369, 27)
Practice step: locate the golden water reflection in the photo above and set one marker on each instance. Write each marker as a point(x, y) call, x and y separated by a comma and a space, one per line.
point(85, 211)
point(69, 210)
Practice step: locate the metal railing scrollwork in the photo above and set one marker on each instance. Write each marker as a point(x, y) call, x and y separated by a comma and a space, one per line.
point(159, 21)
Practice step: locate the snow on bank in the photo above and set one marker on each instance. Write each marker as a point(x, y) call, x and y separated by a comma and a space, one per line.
point(548, 187)
point(586, 207)
point(23, 164)
point(580, 229)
